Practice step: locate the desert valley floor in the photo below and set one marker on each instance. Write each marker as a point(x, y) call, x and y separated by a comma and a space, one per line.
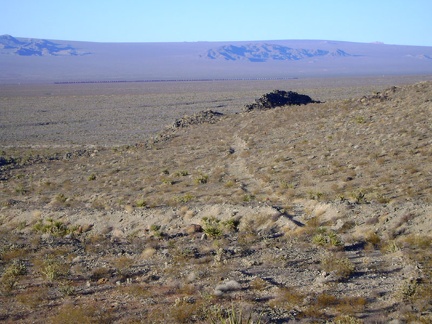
point(116, 207)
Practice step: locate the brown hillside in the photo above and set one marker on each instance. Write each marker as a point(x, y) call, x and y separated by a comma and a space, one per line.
point(318, 212)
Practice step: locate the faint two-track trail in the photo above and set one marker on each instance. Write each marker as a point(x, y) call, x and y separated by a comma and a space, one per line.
point(238, 168)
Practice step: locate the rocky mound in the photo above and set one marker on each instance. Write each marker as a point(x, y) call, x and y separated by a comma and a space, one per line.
point(202, 117)
point(278, 98)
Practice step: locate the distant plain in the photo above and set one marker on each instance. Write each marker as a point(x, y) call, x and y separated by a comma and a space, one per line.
point(112, 114)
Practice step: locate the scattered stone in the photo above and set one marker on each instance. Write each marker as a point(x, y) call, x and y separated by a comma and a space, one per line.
point(84, 228)
point(226, 287)
point(194, 228)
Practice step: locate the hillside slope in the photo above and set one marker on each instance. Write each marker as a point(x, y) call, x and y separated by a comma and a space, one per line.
point(312, 212)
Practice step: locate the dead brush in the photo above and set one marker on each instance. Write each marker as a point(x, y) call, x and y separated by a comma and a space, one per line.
point(33, 297)
point(11, 276)
point(123, 264)
point(90, 313)
point(338, 264)
point(287, 298)
point(52, 268)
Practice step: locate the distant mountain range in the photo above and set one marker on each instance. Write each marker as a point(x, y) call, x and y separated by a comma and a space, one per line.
point(39, 60)
point(265, 52)
point(35, 47)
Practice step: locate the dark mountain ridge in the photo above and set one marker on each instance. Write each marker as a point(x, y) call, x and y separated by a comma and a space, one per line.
point(255, 52)
point(35, 47)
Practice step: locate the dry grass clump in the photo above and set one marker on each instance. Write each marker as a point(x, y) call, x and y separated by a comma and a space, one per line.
point(338, 264)
point(288, 298)
point(90, 313)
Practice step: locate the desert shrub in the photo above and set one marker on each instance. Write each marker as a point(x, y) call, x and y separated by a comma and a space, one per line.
point(157, 230)
point(408, 289)
point(85, 314)
point(338, 264)
point(55, 228)
point(11, 275)
point(212, 226)
point(382, 199)
point(33, 297)
point(373, 239)
point(248, 198)
point(60, 198)
point(359, 197)
point(325, 300)
point(315, 195)
point(324, 304)
point(21, 190)
point(99, 273)
point(201, 179)
point(167, 181)
point(287, 298)
point(182, 173)
point(14, 251)
point(91, 177)
point(258, 284)
point(185, 310)
point(232, 224)
point(123, 265)
point(52, 268)
point(351, 305)
point(390, 247)
point(360, 120)
point(421, 242)
point(183, 199)
point(248, 234)
point(327, 238)
point(229, 183)
point(141, 203)
point(231, 316)
point(213, 231)
point(66, 288)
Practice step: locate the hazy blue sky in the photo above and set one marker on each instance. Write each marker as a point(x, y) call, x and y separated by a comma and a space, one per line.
point(405, 22)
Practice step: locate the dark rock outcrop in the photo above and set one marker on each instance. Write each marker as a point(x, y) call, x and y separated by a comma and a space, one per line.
point(206, 116)
point(278, 98)
point(202, 117)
